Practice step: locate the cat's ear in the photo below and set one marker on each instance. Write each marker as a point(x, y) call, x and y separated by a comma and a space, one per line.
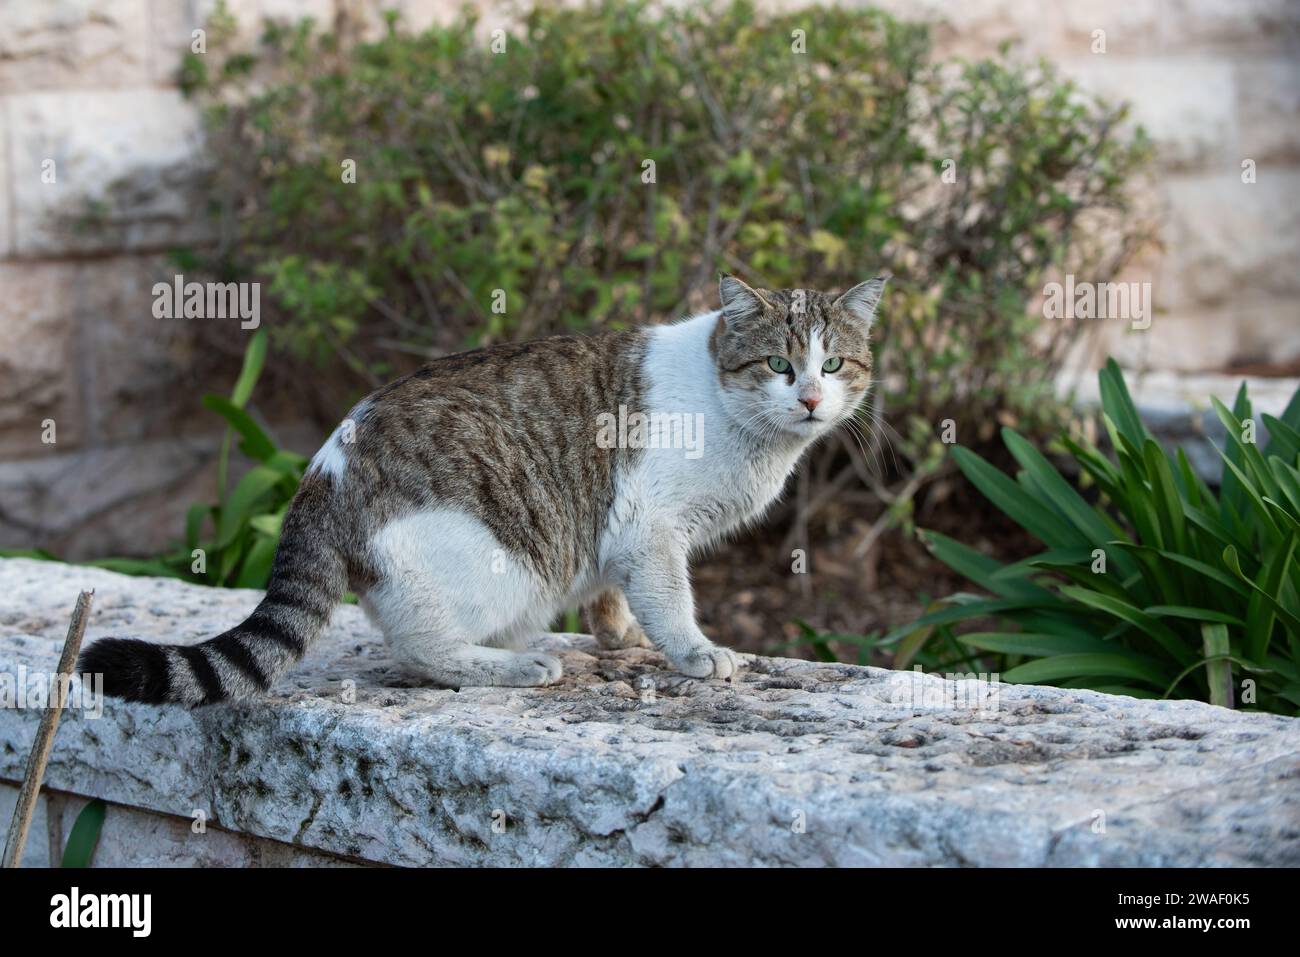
point(860, 302)
point(739, 302)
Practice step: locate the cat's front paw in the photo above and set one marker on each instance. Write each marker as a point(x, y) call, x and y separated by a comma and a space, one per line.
point(707, 661)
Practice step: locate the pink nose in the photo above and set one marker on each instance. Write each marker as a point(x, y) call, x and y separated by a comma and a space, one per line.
point(810, 404)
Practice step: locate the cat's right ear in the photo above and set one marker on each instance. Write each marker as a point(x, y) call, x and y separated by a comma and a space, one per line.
point(740, 303)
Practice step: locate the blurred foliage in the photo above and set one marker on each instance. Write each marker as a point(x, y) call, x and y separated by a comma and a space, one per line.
point(1159, 588)
point(526, 170)
point(523, 170)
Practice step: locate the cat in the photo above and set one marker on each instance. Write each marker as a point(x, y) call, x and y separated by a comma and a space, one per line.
point(468, 503)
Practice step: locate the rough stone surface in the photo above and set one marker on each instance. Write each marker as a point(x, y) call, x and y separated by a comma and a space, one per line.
point(124, 165)
point(134, 838)
point(624, 763)
point(116, 499)
point(74, 43)
point(1186, 104)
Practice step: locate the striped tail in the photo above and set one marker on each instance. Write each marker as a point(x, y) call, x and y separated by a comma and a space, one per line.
point(308, 579)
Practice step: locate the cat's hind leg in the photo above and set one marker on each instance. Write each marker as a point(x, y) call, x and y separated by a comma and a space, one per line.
point(612, 623)
point(446, 588)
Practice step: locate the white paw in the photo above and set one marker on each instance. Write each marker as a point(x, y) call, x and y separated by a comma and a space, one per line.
point(534, 669)
point(707, 661)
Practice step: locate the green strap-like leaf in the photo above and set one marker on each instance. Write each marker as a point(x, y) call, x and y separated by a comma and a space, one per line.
point(1058, 491)
point(1289, 619)
point(1194, 614)
point(1156, 629)
point(980, 569)
point(1101, 665)
point(1117, 402)
point(254, 360)
point(256, 444)
point(1265, 601)
point(237, 508)
point(1035, 645)
point(1218, 669)
point(1010, 499)
point(80, 849)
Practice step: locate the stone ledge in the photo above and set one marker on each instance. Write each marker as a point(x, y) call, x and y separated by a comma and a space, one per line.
point(596, 771)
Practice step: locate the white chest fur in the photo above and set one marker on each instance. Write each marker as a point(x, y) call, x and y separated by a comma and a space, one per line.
point(724, 478)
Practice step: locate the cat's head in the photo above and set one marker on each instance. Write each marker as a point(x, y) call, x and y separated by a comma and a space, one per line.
point(794, 361)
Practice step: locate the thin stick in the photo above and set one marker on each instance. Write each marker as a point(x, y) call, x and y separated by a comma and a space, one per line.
point(36, 762)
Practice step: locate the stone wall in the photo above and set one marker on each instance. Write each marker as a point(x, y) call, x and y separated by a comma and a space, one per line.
point(622, 762)
point(90, 85)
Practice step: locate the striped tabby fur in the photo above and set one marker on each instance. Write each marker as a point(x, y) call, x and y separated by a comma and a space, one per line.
point(471, 501)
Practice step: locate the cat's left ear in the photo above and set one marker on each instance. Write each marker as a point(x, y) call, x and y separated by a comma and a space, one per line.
point(860, 302)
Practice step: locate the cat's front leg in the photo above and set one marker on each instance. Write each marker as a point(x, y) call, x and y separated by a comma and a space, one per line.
point(658, 589)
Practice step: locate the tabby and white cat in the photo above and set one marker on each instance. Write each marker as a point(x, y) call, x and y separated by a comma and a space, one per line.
point(468, 503)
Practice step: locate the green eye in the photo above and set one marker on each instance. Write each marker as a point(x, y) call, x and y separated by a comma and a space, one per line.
point(832, 364)
point(778, 364)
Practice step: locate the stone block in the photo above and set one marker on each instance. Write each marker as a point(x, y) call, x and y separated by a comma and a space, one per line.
point(1268, 113)
point(1186, 104)
point(797, 763)
point(122, 164)
point(38, 851)
point(74, 44)
point(1243, 26)
point(1228, 240)
point(38, 370)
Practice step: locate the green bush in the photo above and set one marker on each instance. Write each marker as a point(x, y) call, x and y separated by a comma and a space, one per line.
point(522, 171)
point(1160, 588)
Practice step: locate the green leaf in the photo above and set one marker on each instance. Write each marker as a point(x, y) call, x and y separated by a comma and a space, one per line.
point(1264, 605)
point(1218, 671)
point(1194, 614)
point(1291, 419)
point(1283, 440)
point(239, 506)
point(1152, 626)
point(254, 360)
point(980, 568)
point(1168, 503)
point(1036, 645)
point(268, 525)
point(1102, 665)
point(1248, 456)
point(1209, 571)
point(1232, 498)
point(1117, 402)
point(1057, 490)
point(982, 608)
point(1042, 523)
point(256, 444)
point(80, 849)
point(1289, 620)
point(194, 524)
point(255, 571)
